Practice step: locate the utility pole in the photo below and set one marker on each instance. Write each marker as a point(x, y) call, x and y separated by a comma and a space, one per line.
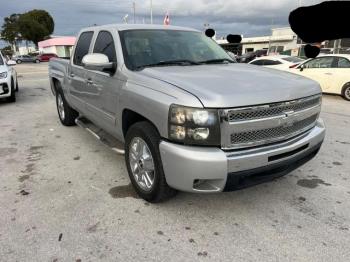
point(134, 11)
point(151, 12)
point(336, 47)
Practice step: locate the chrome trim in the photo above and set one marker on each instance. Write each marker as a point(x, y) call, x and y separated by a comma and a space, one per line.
point(275, 121)
point(284, 115)
point(273, 109)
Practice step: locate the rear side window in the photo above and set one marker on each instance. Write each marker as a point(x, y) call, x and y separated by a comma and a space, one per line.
point(257, 62)
point(293, 59)
point(82, 47)
point(272, 62)
point(105, 45)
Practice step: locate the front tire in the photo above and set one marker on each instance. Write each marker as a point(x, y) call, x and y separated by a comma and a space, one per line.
point(346, 92)
point(37, 61)
point(19, 61)
point(66, 114)
point(144, 163)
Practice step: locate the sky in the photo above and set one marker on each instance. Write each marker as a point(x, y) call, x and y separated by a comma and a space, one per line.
point(246, 17)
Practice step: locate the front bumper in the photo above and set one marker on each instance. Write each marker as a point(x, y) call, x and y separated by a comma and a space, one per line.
point(204, 169)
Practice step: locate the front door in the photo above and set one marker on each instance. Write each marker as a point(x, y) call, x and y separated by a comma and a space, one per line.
point(321, 70)
point(103, 86)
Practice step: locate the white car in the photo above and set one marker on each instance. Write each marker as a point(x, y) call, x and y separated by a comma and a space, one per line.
point(8, 79)
point(281, 62)
point(332, 72)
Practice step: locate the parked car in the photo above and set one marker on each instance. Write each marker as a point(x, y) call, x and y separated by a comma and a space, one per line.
point(332, 72)
point(46, 57)
point(281, 62)
point(247, 57)
point(26, 59)
point(189, 118)
point(8, 80)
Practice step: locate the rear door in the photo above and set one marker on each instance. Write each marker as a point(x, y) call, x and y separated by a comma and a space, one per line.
point(76, 74)
point(103, 86)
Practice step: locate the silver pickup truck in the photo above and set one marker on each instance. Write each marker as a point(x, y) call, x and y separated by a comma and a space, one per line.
point(187, 117)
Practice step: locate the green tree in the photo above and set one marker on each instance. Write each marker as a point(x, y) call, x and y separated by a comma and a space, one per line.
point(36, 25)
point(10, 30)
point(7, 51)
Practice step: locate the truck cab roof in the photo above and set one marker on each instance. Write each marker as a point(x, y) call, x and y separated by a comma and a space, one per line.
point(124, 27)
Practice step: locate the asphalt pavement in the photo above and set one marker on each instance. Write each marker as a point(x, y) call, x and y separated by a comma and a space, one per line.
point(64, 196)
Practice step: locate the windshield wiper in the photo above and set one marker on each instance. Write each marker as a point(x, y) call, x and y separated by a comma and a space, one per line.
point(169, 63)
point(217, 61)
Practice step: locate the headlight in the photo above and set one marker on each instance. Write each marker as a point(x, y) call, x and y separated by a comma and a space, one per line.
point(3, 75)
point(196, 126)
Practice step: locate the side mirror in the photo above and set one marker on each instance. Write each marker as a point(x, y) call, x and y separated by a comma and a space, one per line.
point(98, 62)
point(301, 68)
point(11, 63)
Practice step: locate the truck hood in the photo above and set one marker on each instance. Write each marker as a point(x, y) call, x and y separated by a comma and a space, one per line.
point(235, 85)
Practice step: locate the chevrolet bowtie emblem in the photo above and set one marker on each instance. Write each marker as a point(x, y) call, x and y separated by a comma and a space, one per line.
point(287, 121)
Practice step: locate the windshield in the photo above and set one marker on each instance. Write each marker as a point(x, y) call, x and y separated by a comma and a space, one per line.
point(293, 59)
point(143, 48)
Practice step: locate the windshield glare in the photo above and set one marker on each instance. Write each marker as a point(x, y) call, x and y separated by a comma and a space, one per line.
point(147, 47)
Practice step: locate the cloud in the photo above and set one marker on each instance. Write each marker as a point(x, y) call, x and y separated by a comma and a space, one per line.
point(248, 17)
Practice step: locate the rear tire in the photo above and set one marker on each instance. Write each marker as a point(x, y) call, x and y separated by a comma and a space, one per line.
point(66, 114)
point(346, 92)
point(16, 84)
point(12, 98)
point(147, 133)
point(37, 61)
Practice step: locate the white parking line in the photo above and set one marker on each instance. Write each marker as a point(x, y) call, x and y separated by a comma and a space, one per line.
point(34, 72)
point(33, 80)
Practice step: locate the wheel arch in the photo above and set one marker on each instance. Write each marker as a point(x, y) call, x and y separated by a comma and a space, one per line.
point(130, 117)
point(344, 88)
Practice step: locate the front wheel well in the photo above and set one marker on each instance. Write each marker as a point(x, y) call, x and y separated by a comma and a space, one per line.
point(130, 117)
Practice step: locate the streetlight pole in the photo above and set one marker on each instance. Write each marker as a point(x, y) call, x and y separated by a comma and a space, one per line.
point(151, 12)
point(134, 10)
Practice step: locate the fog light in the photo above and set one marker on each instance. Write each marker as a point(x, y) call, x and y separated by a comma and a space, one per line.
point(198, 133)
point(177, 132)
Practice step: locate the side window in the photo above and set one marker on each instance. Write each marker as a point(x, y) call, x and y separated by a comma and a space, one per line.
point(82, 47)
point(343, 63)
point(257, 62)
point(272, 62)
point(105, 45)
point(322, 62)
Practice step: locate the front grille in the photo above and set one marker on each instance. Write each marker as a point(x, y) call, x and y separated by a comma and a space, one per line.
point(272, 134)
point(250, 113)
point(265, 124)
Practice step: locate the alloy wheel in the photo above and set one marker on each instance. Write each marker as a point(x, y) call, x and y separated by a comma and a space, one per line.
point(60, 106)
point(141, 164)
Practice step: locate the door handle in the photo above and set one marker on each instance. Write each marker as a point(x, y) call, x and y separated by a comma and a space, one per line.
point(328, 74)
point(71, 75)
point(89, 82)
